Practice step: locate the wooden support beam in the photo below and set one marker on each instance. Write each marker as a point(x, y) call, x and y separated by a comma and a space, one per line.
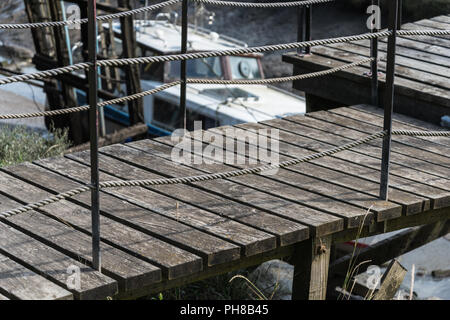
point(393, 247)
point(311, 260)
point(391, 281)
point(132, 72)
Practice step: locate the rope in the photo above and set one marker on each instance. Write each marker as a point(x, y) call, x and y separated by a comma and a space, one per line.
point(215, 176)
point(239, 51)
point(423, 32)
point(281, 79)
point(262, 5)
point(172, 84)
point(209, 54)
point(45, 74)
point(86, 107)
point(205, 177)
point(85, 20)
point(421, 133)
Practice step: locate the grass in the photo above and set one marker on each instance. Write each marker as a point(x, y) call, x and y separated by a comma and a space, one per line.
point(19, 144)
point(215, 288)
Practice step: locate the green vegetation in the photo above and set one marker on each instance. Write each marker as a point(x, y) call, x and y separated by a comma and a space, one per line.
point(215, 288)
point(19, 144)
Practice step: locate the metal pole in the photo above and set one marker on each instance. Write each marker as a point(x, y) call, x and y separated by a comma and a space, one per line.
point(308, 26)
point(94, 131)
point(389, 99)
point(374, 64)
point(184, 36)
point(400, 14)
point(300, 27)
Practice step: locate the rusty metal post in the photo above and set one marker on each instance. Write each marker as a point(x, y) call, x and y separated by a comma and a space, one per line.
point(304, 23)
point(94, 132)
point(184, 36)
point(308, 26)
point(374, 63)
point(389, 99)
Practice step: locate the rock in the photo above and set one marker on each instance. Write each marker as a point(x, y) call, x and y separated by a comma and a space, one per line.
point(447, 237)
point(445, 122)
point(440, 274)
point(274, 279)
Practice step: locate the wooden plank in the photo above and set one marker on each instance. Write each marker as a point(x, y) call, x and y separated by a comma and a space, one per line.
point(433, 54)
point(54, 265)
point(408, 146)
point(248, 185)
point(130, 272)
point(214, 250)
point(433, 24)
point(443, 19)
point(318, 141)
point(405, 77)
point(391, 281)
point(287, 231)
point(3, 298)
point(311, 262)
point(18, 282)
point(252, 241)
point(374, 122)
point(406, 67)
point(392, 247)
point(433, 40)
point(173, 261)
point(409, 123)
point(411, 203)
point(353, 87)
point(412, 57)
point(298, 179)
point(338, 135)
point(352, 163)
point(159, 154)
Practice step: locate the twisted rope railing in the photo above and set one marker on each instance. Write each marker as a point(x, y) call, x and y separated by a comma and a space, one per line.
point(217, 53)
point(413, 133)
point(86, 107)
point(199, 178)
point(83, 21)
point(240, 51)
point(178, 57)
point(174, 83)
point(157, 6)
point(45, 74)
point(445, 32)
point(220, 175)
point(262, 4)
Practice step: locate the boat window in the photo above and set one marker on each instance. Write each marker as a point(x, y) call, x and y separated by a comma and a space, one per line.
point(198, 68)
point(167, 116)
point(244, 68)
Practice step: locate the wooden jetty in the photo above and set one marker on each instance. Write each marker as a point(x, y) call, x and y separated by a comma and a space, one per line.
point(422, 71)
point(158, 237)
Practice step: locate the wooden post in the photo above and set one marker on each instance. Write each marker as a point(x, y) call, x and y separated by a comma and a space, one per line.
point(132, 73)
point(391, 281)
point(311, 260)
point(62, 54)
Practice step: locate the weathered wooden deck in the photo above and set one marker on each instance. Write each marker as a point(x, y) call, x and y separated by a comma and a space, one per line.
point(158, 237)
point(422, 84)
